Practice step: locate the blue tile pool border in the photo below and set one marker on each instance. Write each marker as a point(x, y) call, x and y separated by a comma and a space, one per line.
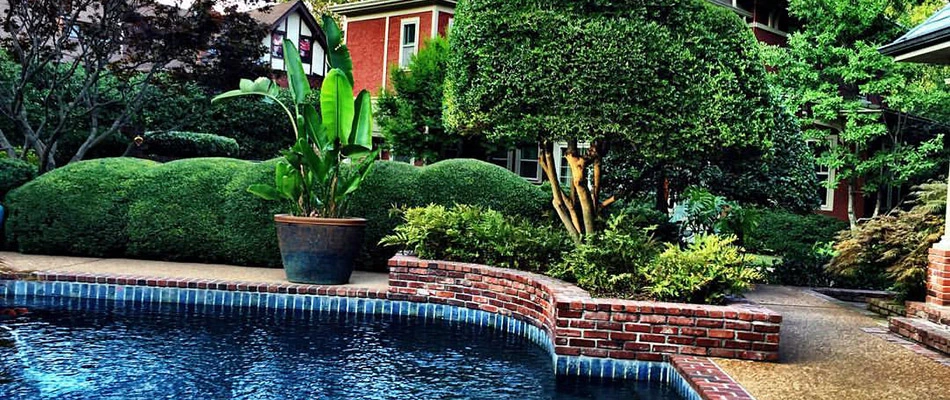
point(217, 300)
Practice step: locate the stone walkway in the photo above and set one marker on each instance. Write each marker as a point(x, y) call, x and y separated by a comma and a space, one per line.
point(160, 269)
point(825, 354)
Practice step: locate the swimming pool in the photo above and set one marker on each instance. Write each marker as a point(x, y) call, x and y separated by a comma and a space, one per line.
point(69, 347)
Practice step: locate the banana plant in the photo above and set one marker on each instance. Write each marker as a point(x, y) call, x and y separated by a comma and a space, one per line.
point(333, 153)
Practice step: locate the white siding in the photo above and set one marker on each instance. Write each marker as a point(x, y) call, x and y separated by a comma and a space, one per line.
point(293, 26)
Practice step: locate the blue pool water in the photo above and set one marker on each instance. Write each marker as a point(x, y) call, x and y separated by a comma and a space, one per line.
point(65, 349)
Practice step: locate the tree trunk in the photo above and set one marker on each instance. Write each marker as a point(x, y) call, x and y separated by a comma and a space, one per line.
point(578, 165)
point(852, 220)
point(562, 205)
point(662, 201)
point(6, 147)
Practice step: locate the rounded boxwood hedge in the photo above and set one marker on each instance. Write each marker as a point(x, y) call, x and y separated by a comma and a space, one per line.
point(180, 144)
point(199, 209)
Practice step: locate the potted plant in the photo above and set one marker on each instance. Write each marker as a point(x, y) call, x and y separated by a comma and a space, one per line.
point(332, 156)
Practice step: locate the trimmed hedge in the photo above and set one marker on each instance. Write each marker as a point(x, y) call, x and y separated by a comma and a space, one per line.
point(797, 239)
point(200, 210)
point(176, 144)
point(14, 172)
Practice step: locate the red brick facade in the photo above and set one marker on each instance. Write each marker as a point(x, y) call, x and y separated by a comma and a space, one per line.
point(584, 326)
point(938, 278)
point(365, 40)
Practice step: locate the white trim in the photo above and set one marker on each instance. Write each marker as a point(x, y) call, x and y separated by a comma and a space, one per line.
point(764, 27)
point(518, 159)
point(923, 51)
point(435, 22)
point(385, 53)
point(416, 10)
point(828, 203)
point(402, 42)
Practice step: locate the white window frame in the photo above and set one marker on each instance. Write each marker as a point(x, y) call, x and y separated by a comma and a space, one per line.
point(448, 26)
point(492, 158)
point(828, 203)
point(402, 40)
point(517, 167)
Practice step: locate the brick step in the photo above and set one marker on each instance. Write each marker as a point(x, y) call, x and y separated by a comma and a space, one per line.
point(927, 333)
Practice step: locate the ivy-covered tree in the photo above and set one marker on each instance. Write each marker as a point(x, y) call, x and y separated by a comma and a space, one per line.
point(676, 80)
point(410, 114)
point(832, 74)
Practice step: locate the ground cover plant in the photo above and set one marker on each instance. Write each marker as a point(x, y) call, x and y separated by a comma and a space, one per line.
point(623, 260)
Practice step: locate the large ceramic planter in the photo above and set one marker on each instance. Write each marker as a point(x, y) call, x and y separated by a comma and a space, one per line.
point(319, 250)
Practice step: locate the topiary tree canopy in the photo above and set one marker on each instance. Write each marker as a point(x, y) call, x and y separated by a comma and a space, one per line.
point(677, 81)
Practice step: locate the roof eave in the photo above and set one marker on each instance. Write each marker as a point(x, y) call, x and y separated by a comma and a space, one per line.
point(379, 6)
point(922, 42)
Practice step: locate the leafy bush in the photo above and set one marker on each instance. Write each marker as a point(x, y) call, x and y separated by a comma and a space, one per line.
point(14, 173)
point(467, 181)
point(702, 212)
point(479, 235)
point(800, 240)
point(608, 262)
point(706, 271)
point(643, 214)
point(200, 210)
point(891, 250)
point(81, 209)
point(176, 145)
point(391, 186)
point(177, 206)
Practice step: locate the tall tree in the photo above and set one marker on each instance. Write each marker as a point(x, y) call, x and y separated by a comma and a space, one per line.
point(410, 114)
point(675, 80)
point(832, 74)
point(91, 61)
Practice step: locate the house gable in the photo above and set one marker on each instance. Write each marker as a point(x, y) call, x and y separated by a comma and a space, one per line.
point(293, 21)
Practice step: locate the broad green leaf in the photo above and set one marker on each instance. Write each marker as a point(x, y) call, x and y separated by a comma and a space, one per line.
point(231, 93)
point(338, 55)
point(355, 152)
point(297, 79)
point(266, 192)
point(313, 125)
point(363, 123)
point(337, 106)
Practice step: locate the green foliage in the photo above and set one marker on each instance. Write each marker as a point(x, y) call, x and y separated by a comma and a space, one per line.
point(310, 180)
point(175, 145)
point(702, 212)
point(81, 209)
point(799, 240)
point(706, 271)
point(608, 263)
point(829, 66)
point(410, 115)
point(891, 250)
point(392, 185)
point(476, 234)
point(200, 210)
point(14, 172)
point(467, 181)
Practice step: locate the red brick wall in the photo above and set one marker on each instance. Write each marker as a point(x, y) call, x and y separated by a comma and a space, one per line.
point(444, 22)
point(585, 326)
point(365, 39)
point(767, 37)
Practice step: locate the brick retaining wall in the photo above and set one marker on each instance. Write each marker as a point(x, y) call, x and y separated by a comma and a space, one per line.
point(584, 326)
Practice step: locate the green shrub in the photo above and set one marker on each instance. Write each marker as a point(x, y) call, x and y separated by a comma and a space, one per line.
point(249, 220)
point(890, 251)
point(80, 209)
point(607, 263)
point(176, 211)
point(200, 210)
point(392, 185)
point(14, 173)
point(702, 212)
point(800, 241)
point(479, 235)
point(467, 181)
point(706, 271)
point(177, 145)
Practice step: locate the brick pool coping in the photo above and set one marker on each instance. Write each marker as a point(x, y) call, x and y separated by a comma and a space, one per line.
point(580, 327)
